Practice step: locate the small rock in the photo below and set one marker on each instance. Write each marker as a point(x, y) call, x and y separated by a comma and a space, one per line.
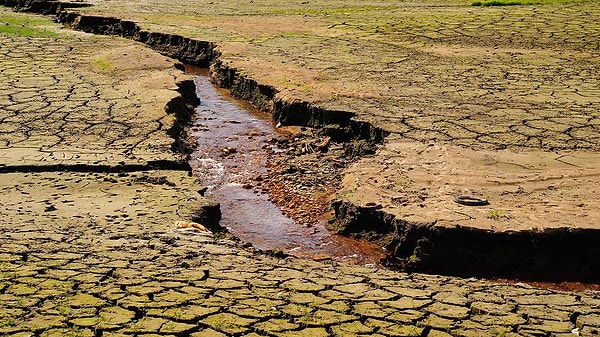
point(229, 150)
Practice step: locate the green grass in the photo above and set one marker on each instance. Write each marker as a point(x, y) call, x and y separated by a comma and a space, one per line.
point(26, 26)
point(495, 214)
point(521, 2)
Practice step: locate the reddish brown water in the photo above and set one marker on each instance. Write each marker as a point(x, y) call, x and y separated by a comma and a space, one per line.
point(233, 145)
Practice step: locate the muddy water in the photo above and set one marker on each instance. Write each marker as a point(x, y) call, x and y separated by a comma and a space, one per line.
point(233, 145)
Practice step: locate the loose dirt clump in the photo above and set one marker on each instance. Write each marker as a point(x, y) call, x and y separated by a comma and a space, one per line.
point(304, 177)
point(467, 80)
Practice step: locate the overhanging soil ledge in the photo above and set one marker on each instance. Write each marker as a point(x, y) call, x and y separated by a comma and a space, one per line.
point(567, 254)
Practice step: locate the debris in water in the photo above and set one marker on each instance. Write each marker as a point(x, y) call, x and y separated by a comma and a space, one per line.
point(194, 227)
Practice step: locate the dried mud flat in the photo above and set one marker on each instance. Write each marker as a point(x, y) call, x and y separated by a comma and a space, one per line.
point(478, 78)
point(453, 75)
point(498, 102)
point(467, 79)
point(92, 192)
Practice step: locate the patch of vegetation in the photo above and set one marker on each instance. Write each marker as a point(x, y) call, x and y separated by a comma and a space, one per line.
point(25, 26)
point(486, 3)
point(104, 65)
point(495, 214)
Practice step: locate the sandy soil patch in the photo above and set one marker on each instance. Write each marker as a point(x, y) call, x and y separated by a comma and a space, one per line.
point(525, 189)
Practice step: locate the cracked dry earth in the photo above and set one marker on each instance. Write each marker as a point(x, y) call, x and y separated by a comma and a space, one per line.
point(63, 102)
point(471, 80)
point(476, 77)
point(97, 254)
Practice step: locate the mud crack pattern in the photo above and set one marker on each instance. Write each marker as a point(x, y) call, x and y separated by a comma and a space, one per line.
point(515, 76)
point(75, 281)
point(60, 102)
point(98, 255)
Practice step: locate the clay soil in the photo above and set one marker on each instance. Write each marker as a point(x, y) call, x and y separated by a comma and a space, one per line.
point(91, 242)
point(498, 102)
point(494, 102)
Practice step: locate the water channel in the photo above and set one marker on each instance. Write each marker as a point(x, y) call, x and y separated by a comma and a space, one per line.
point(233, 142)
point(225, 123)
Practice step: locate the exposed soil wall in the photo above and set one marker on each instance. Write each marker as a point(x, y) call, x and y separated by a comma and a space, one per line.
point(339, 125)
point(182, 106)
point(41, 7)
point(259, 95)
point(566, 254)
point(190, 51)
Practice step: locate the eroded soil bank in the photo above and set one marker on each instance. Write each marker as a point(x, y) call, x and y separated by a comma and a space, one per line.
point(540, 219)
point(419, 244)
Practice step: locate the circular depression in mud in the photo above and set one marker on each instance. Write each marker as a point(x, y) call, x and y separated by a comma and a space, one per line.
point(233, 144)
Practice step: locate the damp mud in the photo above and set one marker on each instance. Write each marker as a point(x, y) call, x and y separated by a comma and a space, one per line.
point(234, 144)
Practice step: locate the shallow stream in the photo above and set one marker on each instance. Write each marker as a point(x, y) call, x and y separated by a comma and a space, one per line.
point(233, 146)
